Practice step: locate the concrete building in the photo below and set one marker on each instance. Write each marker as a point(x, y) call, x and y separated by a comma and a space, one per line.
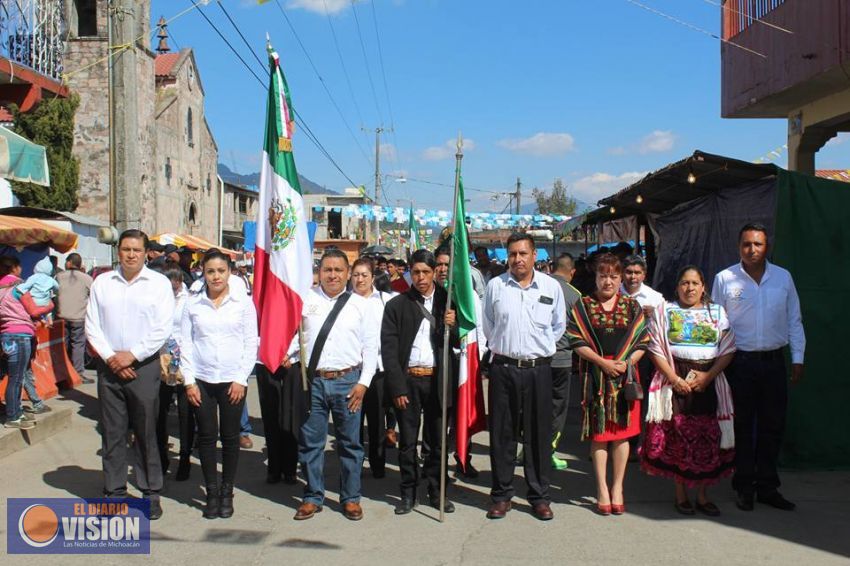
point(333, 224)
point(801, 76)
point(170, 186)
point(239, 204)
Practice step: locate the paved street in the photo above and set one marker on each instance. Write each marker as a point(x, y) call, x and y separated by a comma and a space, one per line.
point(262, 530)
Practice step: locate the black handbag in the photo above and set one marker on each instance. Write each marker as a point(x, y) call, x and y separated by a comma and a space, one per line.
point(632, 390)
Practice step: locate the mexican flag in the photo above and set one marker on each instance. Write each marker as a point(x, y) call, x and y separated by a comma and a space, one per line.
point(283, 264)
point(412, 231)
point(470, 417)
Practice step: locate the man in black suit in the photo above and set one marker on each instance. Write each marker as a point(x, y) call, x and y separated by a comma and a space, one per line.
point(412, 348)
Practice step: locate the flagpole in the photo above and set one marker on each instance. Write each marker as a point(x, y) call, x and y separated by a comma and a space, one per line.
point(302, 354)
point(446, 351)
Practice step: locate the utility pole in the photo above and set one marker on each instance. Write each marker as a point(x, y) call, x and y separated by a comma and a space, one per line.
point(124, 126)
point(518, 194)
point(378, 181)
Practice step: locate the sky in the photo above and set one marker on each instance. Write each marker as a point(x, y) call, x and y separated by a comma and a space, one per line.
point(594, 92)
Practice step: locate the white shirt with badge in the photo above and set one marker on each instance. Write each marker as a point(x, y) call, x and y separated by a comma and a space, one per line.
point(524, 323)
point(646, 296)
point(765, 316)
point(353, 340)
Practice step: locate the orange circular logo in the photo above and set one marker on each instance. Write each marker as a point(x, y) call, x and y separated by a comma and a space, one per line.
point(38, 525)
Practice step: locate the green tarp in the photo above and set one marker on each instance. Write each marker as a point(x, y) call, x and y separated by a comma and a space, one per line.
point(813, 243)
point(22, 160)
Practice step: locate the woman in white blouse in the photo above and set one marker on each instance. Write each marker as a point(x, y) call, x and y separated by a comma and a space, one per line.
point(374, 406)
point(219, 350)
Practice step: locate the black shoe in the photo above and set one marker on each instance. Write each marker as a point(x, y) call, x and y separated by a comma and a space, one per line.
point(273, 477)
point(211, 511)
point(156, 509)
point(39, 411)
point(744, 501)
point(470, 472)
point(405, 506)
point(434, 501)
point(379, 472)
point(183, 469)
point(225, 511)
point(776, 500)
point(290, 479)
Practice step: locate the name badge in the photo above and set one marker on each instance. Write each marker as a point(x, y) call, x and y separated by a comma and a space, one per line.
point(545, 300)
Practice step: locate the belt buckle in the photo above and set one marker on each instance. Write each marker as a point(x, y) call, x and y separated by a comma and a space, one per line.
point(524, 364)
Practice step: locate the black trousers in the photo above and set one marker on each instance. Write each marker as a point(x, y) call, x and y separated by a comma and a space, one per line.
point(423, 410)
point(374, 410)
point(560, 399)
point(218, 418)
point(130, 405)
point(185, 420)
point(760, 393)
point(75, 343)
point(520, 410)
point(279, 426)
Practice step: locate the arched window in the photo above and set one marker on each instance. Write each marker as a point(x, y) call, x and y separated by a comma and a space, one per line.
point(190, 135)
point(193, 214)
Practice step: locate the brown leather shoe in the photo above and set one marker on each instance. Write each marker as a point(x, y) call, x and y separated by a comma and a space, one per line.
point(499, 509)
point(306, 511)
point(352, 511)
point(246, 442)
point(542, 511)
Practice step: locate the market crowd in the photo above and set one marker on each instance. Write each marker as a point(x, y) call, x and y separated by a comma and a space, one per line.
point(694, 385)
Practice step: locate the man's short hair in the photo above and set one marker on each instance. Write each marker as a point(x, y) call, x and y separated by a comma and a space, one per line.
point(519, 237)
point(753, 227)
point(423, 256)
point(133, 234)
point(565, 262)
point(75, 260)
point(635, 259)
point(333, 253)
point(442, 250)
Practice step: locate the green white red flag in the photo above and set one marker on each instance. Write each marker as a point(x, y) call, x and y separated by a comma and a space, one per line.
point(283, 264)
point(412, 231)
point(470, 416)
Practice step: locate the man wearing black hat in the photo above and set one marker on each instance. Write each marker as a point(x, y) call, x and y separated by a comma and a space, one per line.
point(155, 250)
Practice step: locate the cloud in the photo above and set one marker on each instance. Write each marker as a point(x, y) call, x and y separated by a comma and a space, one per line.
point(657, 141)
point(592, 188)
point(541, 144)
point(447, 150)
point(841, 138)
point(320, 6)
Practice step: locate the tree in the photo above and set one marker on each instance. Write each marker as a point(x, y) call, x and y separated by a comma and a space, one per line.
point(555, 202)
point(51, 124)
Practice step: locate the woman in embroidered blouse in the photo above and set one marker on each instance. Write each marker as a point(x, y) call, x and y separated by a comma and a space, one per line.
point(689, 435)
point(218, 340)
point(608, 332)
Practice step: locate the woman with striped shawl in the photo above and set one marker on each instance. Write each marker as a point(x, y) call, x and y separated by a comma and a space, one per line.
point(608, 332)
point(689, 435)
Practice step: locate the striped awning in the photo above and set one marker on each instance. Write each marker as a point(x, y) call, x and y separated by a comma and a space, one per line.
point(19, 232)
point(191, 242)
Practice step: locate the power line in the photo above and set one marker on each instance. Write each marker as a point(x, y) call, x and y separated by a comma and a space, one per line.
point(366, 62)
point(321, 80)
point(342, 63)
point(239, 31)
point(386, 88)
point(298, 119)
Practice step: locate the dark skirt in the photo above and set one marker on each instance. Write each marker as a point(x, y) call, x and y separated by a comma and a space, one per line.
point(687, 447)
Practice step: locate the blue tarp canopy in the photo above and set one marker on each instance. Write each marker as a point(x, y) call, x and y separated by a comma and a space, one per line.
point(502, 254)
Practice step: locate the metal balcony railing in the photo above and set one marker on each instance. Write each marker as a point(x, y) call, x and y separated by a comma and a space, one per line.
point(738, 15)
point(31, 34)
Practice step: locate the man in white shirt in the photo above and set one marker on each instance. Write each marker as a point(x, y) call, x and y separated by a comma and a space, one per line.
point(128, 319)
point(634, 275)
point(764, 311)
point(341, 373)
point(411, 347)
point(524, 316)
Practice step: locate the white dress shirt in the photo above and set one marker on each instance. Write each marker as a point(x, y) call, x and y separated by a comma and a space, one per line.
point(422, 351)
point(377, 301)
point(179, 306)
point(765, 316)
point(524, 323)
point(134, 316)
point(646, 296)
point(353, 340)
point(218, 345)
point(234, 282)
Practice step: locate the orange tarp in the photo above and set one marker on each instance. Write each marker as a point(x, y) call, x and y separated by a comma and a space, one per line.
point(191, 242)
point(19, 232)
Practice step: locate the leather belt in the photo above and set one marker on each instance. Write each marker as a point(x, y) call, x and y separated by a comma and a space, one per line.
point(762, 355)
point(522, 364)
point(419, 371)
point(335, 373)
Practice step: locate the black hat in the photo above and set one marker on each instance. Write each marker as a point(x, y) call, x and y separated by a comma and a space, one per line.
point(169, 248)
point(155, 246)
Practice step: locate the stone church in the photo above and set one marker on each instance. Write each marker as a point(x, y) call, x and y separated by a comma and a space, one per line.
point(175, 180)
